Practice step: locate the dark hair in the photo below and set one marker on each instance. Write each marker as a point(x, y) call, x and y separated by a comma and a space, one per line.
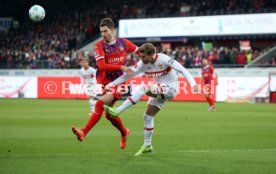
point(147, 48)
point(108, 22)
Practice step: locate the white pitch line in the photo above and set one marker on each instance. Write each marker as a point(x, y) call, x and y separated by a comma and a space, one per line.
point(123, 153)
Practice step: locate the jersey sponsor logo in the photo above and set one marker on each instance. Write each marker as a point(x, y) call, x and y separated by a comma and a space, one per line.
point(160, 66)
point(148, 67)
point(115, 59)
point(158, 73)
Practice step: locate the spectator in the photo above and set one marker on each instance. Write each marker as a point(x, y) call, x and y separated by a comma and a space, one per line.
point(248, 57)
point(212, 56)
point(197, 59)
point(70, 24)
point(184, 9)
point(273, 61)
point(241, 58)
point(233, 55)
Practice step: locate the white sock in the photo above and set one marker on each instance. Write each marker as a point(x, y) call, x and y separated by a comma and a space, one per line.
point(92, 104)
point(148, 129)
point(139, 93)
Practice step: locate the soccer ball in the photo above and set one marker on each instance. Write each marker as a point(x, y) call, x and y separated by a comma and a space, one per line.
point(37, 13)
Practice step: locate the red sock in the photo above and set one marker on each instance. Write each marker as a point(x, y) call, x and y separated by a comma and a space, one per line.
point(117, 122)
point(210, 101)
point(95, 117)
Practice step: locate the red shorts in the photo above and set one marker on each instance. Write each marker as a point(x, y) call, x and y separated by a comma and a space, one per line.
point(117, 91)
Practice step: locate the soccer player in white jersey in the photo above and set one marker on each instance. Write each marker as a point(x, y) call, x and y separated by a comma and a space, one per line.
point(163, 70)
point(88, 78)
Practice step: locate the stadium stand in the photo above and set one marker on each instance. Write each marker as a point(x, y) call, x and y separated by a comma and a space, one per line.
point(29, 45)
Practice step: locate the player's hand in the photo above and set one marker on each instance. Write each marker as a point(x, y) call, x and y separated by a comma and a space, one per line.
point(127, 70)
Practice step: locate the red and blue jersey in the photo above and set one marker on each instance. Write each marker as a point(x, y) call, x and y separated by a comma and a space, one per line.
point(207, 74)
point(112, 53)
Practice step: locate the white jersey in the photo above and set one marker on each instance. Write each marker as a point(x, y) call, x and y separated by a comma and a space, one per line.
point(163, 71)
point(160, 70)
point(88, 76)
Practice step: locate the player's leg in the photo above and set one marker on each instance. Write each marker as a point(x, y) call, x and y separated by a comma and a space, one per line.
point(154, 106)
point(139, 92)
point(95, 116)
point(117, 122)
point(210, 100)
point(92, 102)
point(149, 123)
point(91, 93)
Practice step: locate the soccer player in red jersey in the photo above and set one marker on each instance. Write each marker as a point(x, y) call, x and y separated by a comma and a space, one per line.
point(206, 80)
point(110, 54)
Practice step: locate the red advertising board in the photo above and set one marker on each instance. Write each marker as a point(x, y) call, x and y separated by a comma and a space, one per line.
point(70, 88)
point(184, 89)
point(60, 87)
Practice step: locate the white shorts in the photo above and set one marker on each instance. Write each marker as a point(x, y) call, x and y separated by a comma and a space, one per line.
point(158, 102)
point(164, 93)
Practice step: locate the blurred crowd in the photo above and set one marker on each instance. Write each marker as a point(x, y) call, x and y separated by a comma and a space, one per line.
point(191, 57)
point(53, 43)
point(172, 8)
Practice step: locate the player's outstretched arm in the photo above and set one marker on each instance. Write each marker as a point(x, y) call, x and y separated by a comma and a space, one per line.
point(120, 80)
point(136, 70)
point(179, 68)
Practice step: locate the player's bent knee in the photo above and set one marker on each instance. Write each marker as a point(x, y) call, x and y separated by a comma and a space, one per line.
point(152, 110)
point(107, 98)
point(150, 113)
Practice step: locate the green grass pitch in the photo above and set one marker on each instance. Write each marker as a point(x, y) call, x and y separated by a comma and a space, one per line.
point(36, 137)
